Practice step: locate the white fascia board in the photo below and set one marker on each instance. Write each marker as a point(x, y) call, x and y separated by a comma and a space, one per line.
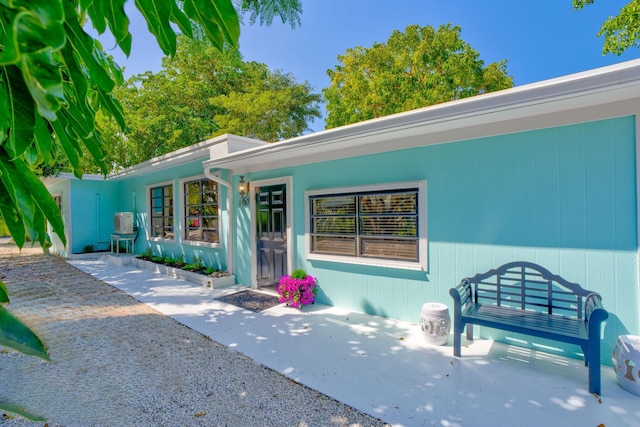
point(221, 145)
point(605, 92)
point(64, 176)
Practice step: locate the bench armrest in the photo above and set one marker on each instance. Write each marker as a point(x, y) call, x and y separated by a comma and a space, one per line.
point(461, 295)
point(594, 312)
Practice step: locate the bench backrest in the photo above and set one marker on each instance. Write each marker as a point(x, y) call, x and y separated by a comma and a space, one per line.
point(527, 286)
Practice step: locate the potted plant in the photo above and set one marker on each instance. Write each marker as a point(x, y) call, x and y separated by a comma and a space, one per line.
point(298, 289)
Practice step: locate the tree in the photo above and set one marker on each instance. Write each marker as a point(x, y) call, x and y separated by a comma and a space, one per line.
point(621, 31)
point(54, 79)
point(203, 92)
point(414, 69)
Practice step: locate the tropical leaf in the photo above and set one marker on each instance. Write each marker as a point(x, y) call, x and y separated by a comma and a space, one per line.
point(19, 193)
point(222, 14)
point(20, 410)
point(84, 46)
point(11, 215)
point(47, 207)
point(42, 139)
point(114, 14)
point(158, 13)
point(21, 110)
point(34, 26)
point(17, 335)
point(72, 151)
point(4, 293)
point(44, 80)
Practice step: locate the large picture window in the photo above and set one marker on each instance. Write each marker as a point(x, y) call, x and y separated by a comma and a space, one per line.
point(161, 207)
point(201, 211)
point(380, 224)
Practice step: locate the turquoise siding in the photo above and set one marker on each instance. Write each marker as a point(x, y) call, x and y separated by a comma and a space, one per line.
point(132, 197)
point(92, 206)
point(562, 197)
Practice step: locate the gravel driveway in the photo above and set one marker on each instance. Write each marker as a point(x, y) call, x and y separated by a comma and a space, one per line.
point(117, 362)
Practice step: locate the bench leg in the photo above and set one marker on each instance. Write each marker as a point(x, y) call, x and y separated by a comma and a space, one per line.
point(470, 331)
point(456, 342)
point(457, 332)
point(592, 359)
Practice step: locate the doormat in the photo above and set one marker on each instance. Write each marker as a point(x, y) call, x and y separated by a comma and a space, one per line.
point(254, 301)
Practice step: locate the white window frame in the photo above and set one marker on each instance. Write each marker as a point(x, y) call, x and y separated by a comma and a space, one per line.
point(176, 224)
point(181, 216)
point(421, 264)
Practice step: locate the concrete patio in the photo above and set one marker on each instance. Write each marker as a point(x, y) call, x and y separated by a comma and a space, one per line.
point(384, 367)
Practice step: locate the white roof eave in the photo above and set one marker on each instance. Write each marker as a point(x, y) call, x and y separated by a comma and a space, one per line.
point(521, 108)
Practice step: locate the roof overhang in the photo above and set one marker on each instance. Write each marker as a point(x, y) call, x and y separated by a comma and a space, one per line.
point(219, 146)
point(65, 176)
point(606, 92)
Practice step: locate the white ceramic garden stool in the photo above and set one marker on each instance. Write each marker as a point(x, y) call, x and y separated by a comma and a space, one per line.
point(626, 362)
point(435, 323)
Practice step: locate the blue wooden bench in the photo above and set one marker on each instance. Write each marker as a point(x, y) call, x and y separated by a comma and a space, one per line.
point(526, 298)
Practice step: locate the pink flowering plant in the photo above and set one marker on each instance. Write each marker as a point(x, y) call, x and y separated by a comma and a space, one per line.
point(298, 289)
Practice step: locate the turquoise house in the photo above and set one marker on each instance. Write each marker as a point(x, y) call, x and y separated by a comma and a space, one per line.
point(391, 213)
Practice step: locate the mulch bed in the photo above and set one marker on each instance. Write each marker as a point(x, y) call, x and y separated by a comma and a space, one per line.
point(249, 300)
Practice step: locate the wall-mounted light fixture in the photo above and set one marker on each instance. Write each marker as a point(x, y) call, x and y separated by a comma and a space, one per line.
point(243, 190)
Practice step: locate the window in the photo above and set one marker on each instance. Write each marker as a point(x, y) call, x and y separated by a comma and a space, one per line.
point(369, 223)
point(382, 225)
point(201, 211)
point(161, 207)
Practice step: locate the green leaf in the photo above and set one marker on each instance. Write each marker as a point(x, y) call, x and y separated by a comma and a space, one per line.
point(35, 26)
point(95, 14)
point(223, 14)
point(5, 109)
point(74, 72)
point(157, 13)
point(84, 47)
point(17, 190)
point(114, 108)
point(114, 13)
point(47, 206)
point(11, 214)
point(44, 80)
point(4, 293)
point(71, 150)
point(16, 335)
point(10, 52)
point(42, 139)
point(183, 21)
point(21, 109)
point(20, 410)
point(212, 30)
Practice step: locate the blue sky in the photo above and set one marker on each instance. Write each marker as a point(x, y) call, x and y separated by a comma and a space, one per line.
point(539, 40)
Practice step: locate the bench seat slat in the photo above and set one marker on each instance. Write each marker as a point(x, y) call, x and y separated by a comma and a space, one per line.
point(555, 327)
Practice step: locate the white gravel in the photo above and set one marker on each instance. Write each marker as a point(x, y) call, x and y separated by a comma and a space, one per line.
point(117, 362)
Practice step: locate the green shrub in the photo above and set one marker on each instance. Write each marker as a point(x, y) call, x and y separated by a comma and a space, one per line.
point(157, 259)
point(299, 274)
point(209, 270)
point(197, 261)
point(147, 254)
point(88, 248)
point(179, 261)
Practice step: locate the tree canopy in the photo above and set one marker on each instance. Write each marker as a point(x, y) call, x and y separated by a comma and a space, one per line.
point(418, 67)
point(55, 79)
point(621, 31)
point(203, 92)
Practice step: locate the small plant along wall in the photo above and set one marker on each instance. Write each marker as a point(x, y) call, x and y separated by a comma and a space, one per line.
point(196, 265)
